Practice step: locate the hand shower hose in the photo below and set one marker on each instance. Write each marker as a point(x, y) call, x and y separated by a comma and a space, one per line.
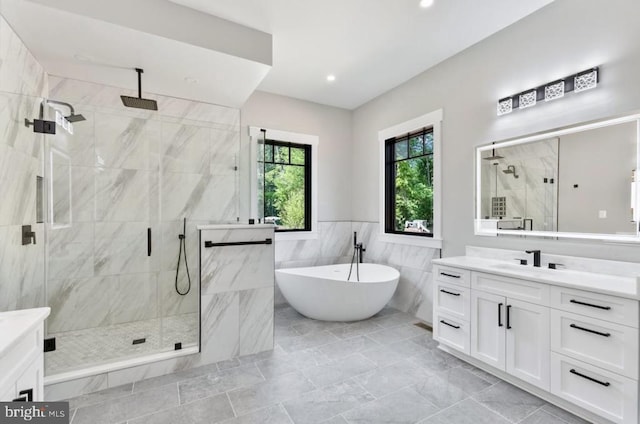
point(183, 248)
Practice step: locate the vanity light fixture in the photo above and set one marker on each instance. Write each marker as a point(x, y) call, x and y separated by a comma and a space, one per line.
point(581, 81)
point(554, 90)
point(528, 99)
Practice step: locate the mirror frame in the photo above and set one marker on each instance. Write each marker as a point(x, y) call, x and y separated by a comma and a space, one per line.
point(487, 227)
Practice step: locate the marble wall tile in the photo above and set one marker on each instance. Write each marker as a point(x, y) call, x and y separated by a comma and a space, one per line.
point(80, 303)
point(168, 245)
point(17, 187)
point(124, 142)
point(123, 194)
point(186, 148)
point(220, 326)
point(121, 248)
point(14, 108)
point(336, 239)
point(83, 195)
point(171, 303)
point(256, 320)
point(232, 268)
point(225, 149)
point(70, 251)
point(199, 197)
point(21, 269)
point(135, 298)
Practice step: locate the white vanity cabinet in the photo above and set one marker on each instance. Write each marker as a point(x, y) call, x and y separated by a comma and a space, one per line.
point(565, 344)
point(21, 354)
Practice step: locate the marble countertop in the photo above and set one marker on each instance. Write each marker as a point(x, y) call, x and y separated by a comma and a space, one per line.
point(14, 325)
point(235, 226)
point(614, 285)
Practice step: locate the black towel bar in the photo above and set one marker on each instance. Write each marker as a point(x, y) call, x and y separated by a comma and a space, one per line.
point(237, 243)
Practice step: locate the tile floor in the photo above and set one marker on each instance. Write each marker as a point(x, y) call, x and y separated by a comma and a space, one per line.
point(383, 370)
point(95, 346)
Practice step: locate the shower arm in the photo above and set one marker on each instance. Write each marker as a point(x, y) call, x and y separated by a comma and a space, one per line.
point(56, 102)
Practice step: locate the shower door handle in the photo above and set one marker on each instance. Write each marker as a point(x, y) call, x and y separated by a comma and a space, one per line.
point(148, 241)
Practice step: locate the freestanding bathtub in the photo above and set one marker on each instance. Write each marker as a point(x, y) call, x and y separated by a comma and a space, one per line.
point(323, 292)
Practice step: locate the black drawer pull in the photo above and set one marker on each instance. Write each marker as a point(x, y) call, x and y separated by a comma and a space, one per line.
point(450, 325)
point(500, 314)
point(449, 275)
point(604, 383)
point(508, 317)
point(577, 302)
point(577, 327)
point(448, 292)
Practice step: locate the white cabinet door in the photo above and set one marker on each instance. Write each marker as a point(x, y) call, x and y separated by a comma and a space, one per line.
point(527, 342)
point(31, 380)
point(487, 328)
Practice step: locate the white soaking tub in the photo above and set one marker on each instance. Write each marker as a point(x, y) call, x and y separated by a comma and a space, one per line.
point(323, 292)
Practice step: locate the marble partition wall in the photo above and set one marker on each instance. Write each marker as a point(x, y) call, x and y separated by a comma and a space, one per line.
point(132, 170)
point(23, 83)
point(237, 284)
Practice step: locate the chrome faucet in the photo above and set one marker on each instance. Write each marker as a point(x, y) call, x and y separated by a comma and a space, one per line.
point(536, 257)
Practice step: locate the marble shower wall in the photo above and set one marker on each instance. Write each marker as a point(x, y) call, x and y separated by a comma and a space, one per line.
point(23, 83)
point(132, 170)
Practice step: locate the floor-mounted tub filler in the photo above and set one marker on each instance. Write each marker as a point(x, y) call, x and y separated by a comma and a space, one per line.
point(323, 292)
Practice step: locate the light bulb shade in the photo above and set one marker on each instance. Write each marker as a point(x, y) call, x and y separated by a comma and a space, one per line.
point(505, 106)
point(586, 80)
point(528, 99)
point(554, 90)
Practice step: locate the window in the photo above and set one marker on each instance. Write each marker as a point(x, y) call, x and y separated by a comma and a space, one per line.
point(284, 176)
point(286, 185)
point(409, 184)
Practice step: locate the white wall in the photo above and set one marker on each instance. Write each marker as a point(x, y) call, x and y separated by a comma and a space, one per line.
point(333, 127)
point(560, 39)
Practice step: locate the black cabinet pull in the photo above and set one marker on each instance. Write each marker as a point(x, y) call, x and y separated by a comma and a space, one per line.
point(604, 383)
point(448, 292)
point(508, 317)
point(577, 302)
point(449, 275)
point(237, 243)
point(588, 330)
point(148, 241)
point(500, 314)
point(450, 325)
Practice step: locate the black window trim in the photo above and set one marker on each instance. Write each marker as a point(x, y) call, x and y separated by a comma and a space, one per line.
point(389, 180)
point(308, 221)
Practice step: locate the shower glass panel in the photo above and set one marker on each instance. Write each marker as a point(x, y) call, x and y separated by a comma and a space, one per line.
point(121, 186)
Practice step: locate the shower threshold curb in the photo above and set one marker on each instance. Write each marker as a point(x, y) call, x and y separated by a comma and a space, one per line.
point(118, 365)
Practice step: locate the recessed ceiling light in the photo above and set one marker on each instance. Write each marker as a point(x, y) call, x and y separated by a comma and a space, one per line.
point(331, 78)
point(426, 3)
point(190, 80)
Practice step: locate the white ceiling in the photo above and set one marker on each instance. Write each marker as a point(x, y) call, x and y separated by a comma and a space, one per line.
point(370, 45)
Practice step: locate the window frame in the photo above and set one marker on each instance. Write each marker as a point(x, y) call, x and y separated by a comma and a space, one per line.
point(308, 215)
point(430, 120)
point(255, 135)
point(390, 178)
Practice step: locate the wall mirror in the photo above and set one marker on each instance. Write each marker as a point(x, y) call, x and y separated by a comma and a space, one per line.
point(574, 182)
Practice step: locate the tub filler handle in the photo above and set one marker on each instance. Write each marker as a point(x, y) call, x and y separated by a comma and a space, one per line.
point(237, 243)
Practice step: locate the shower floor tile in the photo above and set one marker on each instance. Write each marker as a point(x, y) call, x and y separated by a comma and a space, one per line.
point(95, 346)
point(368, 378)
